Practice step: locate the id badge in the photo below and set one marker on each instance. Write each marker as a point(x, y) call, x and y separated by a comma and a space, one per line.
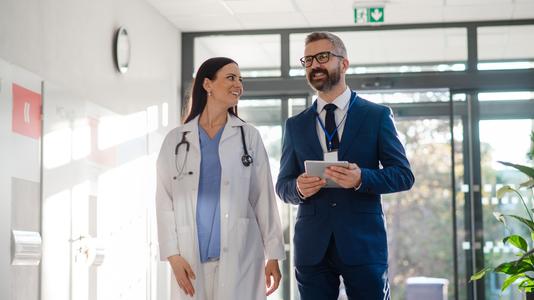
point(330, 156)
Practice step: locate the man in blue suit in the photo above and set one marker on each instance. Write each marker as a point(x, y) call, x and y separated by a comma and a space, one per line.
point(340, 231)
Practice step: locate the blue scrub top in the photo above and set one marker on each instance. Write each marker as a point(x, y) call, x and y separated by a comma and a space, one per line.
point(209, 192)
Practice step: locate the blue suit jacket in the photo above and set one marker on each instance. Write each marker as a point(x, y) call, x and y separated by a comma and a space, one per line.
point(355, 218)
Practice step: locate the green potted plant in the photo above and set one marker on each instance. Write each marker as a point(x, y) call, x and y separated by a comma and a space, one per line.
point(521, 269)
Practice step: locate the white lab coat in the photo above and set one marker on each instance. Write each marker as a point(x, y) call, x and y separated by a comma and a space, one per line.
point(250, 224)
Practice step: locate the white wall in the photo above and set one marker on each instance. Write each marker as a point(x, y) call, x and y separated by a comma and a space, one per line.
point(68, 43)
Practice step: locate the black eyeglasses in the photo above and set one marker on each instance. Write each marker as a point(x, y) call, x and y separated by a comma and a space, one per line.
point(321, 57)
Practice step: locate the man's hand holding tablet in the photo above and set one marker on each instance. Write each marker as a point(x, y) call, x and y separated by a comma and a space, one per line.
point(318, 168)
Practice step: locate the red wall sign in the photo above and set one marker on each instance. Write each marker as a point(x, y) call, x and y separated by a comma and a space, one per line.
point(26, 112)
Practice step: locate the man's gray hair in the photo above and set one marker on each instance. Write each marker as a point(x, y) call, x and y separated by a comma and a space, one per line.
point(339, 46)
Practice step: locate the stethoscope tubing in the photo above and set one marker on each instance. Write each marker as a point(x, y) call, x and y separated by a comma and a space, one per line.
point(246, 158)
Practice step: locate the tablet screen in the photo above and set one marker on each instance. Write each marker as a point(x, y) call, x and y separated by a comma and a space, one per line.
point(317, 168)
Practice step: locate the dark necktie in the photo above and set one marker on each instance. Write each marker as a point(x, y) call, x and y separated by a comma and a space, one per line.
point(330, 125)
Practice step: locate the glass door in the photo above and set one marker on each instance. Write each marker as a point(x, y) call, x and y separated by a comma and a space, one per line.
point(425, 225)
point(98, 193)
point(502, 140)
point(420, 222)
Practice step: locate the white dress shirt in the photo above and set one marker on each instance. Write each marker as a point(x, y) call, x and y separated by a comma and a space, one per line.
point(342, 103)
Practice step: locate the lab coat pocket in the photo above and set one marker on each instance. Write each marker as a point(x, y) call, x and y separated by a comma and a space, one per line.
point(183, 188)
point(248, 239)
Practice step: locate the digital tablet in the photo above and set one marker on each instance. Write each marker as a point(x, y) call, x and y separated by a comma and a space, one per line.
point(317, 168)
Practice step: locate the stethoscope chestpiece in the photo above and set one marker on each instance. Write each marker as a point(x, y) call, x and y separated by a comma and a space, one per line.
point(247, 160)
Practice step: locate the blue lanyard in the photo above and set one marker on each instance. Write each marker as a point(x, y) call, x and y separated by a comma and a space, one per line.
point(330, 137)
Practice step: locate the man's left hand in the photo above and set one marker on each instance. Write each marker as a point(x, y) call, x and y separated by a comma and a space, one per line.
point(348, 178)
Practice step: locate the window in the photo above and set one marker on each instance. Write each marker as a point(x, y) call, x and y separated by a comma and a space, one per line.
point(257, 55)
point(393, 51)
point(500, 96)
point(505, 47)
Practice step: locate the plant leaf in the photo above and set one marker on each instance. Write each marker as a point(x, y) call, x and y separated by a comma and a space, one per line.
point(480, 274)
point(524, 169)
point(516, 241)
point(523, 283)
point(514, 267)
point(523, 259)
point(528, 184)
point(527, 283)
point(499, 216)
point(510, 280)
point(503, 190)
point(527, 222)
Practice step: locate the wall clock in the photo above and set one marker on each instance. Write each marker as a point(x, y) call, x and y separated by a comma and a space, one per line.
point(122, 50)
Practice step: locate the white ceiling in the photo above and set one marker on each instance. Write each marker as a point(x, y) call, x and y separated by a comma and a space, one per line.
point(220, 15)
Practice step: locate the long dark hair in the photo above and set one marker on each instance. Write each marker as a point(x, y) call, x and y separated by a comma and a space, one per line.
point(199, 96)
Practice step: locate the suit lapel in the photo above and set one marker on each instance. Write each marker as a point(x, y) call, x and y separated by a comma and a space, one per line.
point(355, 118)
point(307, 130)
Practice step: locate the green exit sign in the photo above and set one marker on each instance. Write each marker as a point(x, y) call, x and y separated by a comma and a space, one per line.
point(364, 15)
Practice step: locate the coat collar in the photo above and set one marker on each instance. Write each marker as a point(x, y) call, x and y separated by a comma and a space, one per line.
point(191, 125)
point(229, 129)
point(232, 121)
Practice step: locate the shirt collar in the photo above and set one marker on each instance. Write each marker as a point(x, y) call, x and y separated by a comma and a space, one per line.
point(341, 101)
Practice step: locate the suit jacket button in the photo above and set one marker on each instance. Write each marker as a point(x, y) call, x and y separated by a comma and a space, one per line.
point(333, 204)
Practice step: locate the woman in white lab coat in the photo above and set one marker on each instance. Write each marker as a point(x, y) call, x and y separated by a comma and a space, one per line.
point(218, 223)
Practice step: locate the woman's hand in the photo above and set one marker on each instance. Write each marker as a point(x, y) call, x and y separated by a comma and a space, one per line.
point(272, 270)
point(183, 274)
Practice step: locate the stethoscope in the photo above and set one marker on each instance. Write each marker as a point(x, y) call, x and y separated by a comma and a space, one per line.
point(246, 159)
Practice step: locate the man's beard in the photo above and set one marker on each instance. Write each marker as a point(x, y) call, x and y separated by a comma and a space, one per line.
point(326, 84)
